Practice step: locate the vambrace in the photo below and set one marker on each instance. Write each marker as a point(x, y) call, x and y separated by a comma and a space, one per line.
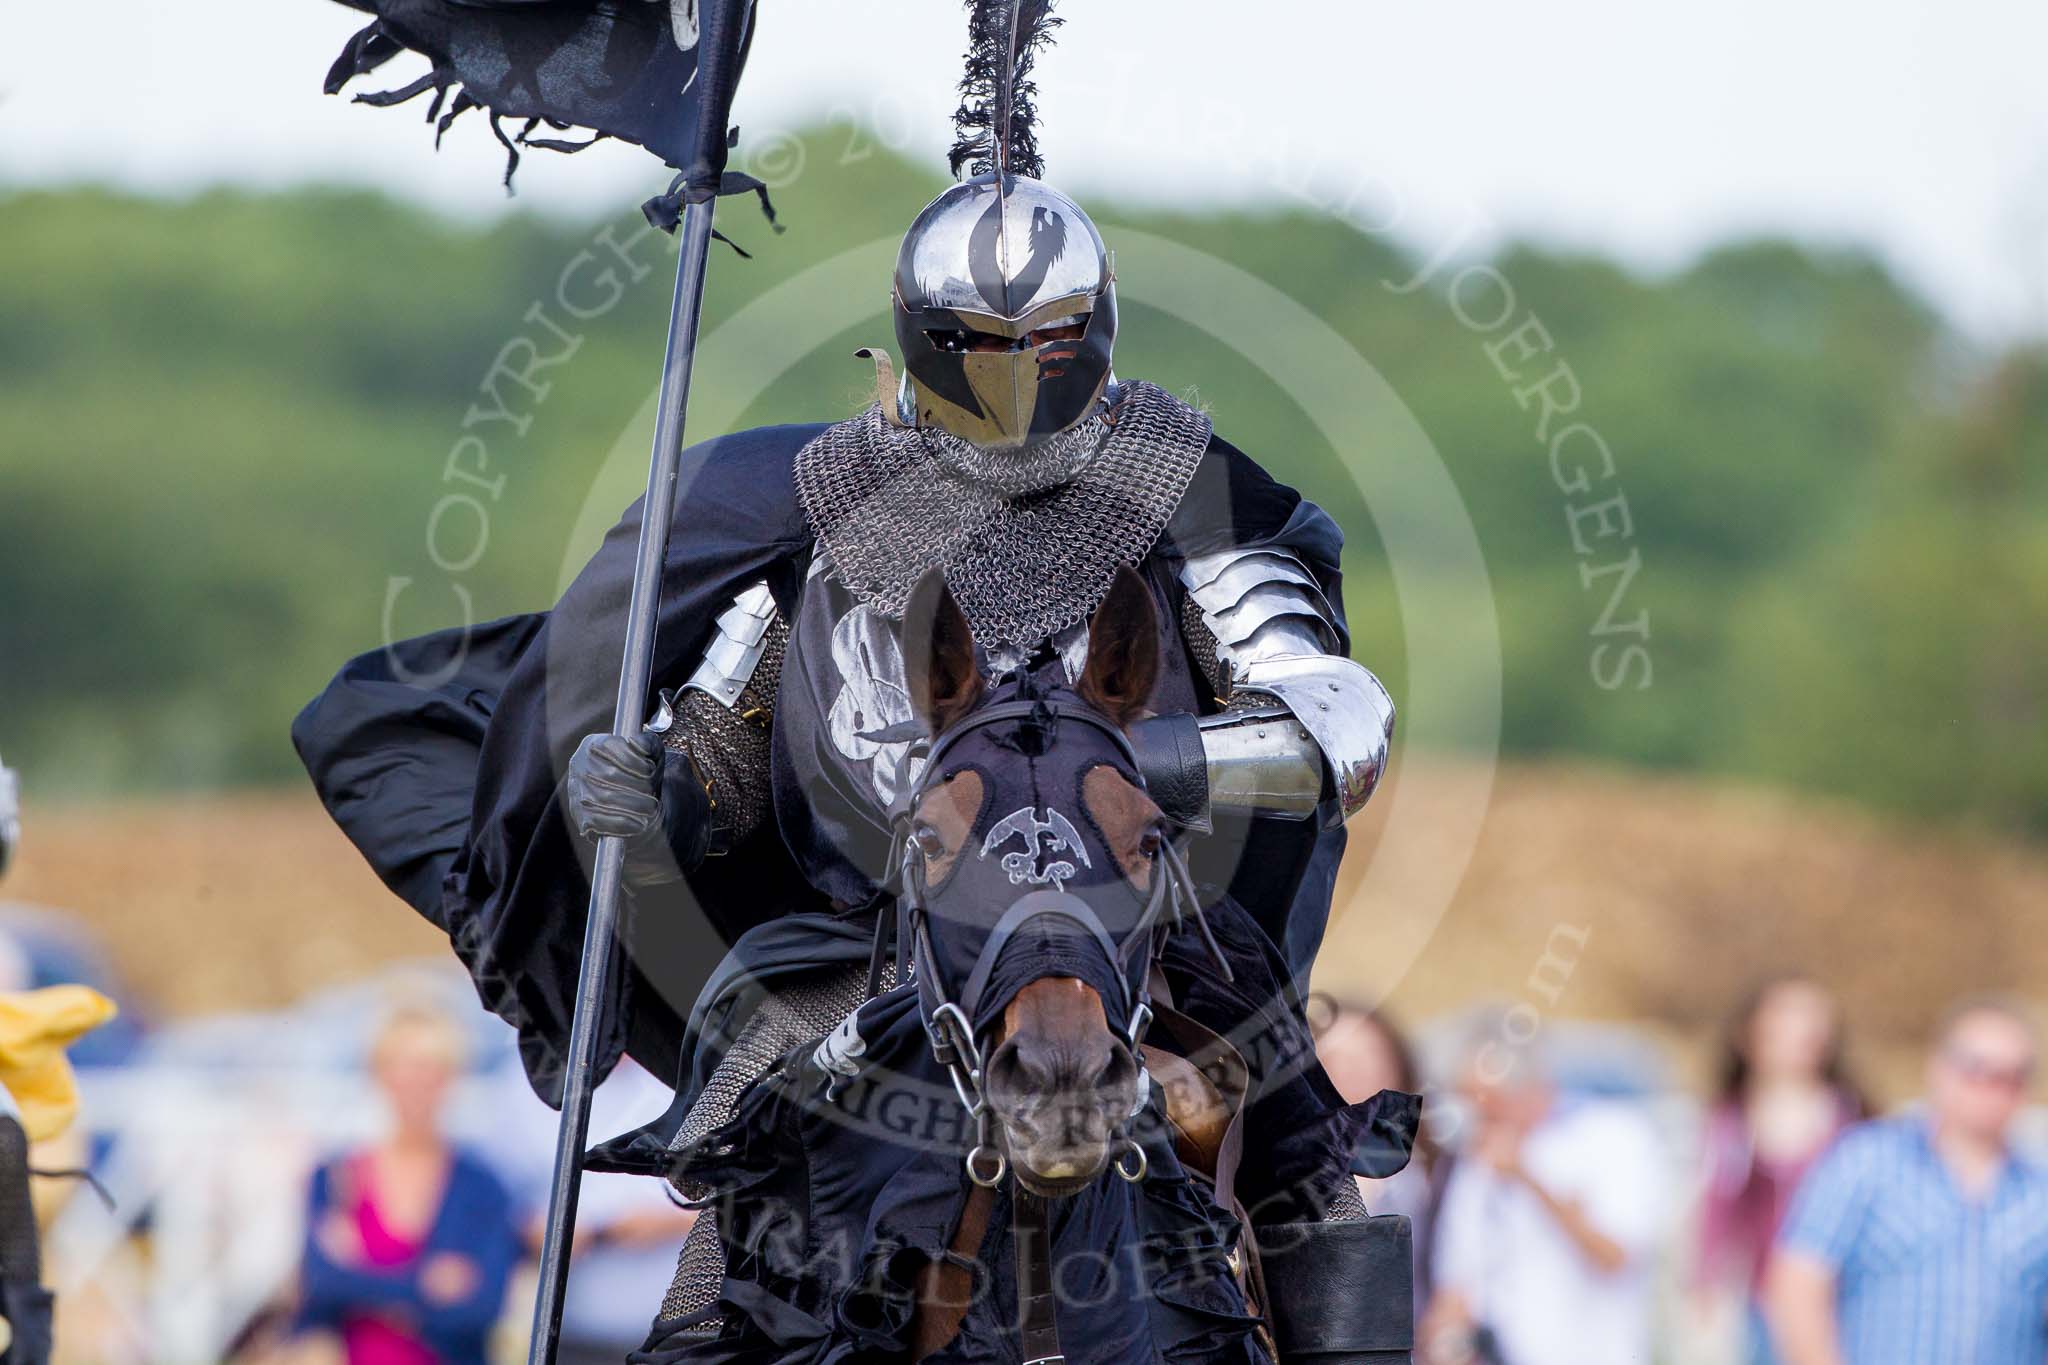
point(1327, 711)
point(1301, 723)
point(715, 728)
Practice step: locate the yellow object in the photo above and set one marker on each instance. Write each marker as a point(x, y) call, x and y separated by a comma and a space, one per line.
point(35, 1028)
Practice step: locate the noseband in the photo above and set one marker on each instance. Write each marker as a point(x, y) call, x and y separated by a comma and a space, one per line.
point(949, 1015)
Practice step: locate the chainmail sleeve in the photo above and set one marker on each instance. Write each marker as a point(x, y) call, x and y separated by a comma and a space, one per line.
point(1203, 651)
point(719, 721)
point(799, 1012)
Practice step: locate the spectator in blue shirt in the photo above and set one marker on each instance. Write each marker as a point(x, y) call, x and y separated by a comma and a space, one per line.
point(1923, 1239)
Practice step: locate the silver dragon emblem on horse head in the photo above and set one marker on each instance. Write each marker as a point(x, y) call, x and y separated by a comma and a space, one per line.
point(1050, 838)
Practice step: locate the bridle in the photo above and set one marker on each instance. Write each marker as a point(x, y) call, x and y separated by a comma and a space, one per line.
point(949, 1011)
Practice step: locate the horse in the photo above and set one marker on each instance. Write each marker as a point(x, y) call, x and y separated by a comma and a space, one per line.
point(1040, 895)
point(1035, 860)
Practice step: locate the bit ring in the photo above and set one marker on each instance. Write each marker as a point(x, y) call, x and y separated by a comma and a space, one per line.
point(981, 1151)
point(1132, 1149)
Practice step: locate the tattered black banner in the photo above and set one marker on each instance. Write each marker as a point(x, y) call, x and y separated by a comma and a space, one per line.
point(617, 68)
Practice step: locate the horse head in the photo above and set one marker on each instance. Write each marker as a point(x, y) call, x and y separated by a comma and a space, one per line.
point(1034, 862)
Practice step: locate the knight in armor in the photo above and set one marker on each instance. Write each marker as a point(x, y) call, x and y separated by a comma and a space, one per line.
point(1011, 455)
point(475, 770)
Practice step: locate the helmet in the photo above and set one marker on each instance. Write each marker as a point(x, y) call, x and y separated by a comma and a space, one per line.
point(985, 273)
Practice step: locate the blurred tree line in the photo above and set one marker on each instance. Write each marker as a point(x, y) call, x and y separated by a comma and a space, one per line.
point(225, 422)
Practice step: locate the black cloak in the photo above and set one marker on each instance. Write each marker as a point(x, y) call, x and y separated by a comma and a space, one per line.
point(441, 756)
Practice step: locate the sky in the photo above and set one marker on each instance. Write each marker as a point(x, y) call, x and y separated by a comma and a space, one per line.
point(1917, 129)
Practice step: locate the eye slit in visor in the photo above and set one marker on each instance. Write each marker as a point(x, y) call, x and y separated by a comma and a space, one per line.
point(1070, 328)
point(960, 341)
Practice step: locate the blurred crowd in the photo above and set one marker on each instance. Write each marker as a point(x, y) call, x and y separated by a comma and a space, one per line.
point(361, 1181)
point(412, 1240)
point(1551, 1219)
point(1566, 1207)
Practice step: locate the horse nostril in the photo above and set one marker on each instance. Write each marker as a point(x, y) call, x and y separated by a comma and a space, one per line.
point(1022, 1078)
point(1005, 1076)
point(1118, 1075)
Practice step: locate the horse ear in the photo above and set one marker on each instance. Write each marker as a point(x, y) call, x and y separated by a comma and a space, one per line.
point(1123, 650)
point(938, 655)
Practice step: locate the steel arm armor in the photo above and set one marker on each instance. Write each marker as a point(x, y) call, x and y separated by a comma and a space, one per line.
point(1300, 720)
point(717, 723)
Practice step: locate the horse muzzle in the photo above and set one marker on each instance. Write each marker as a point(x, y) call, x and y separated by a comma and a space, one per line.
point(1061, 1099)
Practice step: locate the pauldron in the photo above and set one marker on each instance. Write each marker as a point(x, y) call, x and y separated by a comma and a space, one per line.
point(1299, 721)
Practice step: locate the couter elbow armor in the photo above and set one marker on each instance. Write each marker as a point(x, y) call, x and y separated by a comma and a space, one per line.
point(1301, 722)
point(1334, 711)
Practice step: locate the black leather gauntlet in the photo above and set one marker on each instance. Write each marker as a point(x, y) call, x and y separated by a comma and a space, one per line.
point(639, 790)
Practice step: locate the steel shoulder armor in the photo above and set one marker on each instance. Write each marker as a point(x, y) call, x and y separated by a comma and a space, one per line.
point(1300, 721)
point(738, 640)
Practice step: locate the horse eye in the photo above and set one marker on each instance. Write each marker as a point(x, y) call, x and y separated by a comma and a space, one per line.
point(929, 841)
point(1148, 846)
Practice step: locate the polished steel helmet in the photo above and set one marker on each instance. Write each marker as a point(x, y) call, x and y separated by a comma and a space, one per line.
point(986, 271)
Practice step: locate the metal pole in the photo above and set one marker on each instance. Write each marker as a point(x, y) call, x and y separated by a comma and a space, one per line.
point(593, 985)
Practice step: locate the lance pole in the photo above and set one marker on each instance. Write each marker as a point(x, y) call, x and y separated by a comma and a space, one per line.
point(593, 982)
point(719, 50)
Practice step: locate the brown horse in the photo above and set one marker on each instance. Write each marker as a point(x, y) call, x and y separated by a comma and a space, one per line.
point(1062, 1067)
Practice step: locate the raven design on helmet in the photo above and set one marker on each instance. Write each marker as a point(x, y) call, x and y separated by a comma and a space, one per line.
point(1005, 310)
point(1004, 298)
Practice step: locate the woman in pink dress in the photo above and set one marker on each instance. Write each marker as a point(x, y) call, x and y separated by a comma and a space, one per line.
point(409, 1242)
point(1784, 1095)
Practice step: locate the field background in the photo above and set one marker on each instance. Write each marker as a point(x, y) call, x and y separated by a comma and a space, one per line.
point(224, 419)
point(1677, 896)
